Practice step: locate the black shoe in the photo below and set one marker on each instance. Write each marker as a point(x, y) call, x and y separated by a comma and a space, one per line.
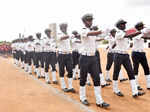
point(135, 96)
point(138, 94)
point(108, 80)
point(39, 77)
point(141, 93)
point(107, 84)
point(124, 79)
point(139, 88)
point(65, 90)
point(30, 73)
point(85, 102)
point(48, 82)
point(103, 105)
point(42, 76)
point(75, 78)
point(78, 78)
point(119, 94)
point(71, 90)
point(148, 88)
point(55, 82)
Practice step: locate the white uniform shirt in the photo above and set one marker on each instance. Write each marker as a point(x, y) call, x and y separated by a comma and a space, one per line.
point(111, 42)
point(49, 45)
point(122, 44)
point(18, 46)
point(138, 43)
point(38, 45)
point(75, 45)
point(29, 46)
point(63, 45)
point(88, 42)
point(22, 47)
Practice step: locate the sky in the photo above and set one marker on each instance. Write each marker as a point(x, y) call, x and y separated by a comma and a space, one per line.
point(31, 16)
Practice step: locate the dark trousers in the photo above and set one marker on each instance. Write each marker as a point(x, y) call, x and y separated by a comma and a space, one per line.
point(110, 59)
point(97, 54)
point(88, 64)
point(75, 57)
point(50, 59)
point(140, 58)
point(25, 57)
point(29, 57)
point(22, 57)
point(122, 59)
point(38, 56)
point(65, 60)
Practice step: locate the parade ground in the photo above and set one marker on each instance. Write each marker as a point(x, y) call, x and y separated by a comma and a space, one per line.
point(21, 92)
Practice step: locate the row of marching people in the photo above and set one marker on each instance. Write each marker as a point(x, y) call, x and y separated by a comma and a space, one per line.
point(79, 53)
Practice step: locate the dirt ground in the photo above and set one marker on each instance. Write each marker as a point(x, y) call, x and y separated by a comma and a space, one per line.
point(19, 94)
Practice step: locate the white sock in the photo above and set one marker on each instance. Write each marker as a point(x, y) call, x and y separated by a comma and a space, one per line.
point(147, 80)
point(107, 75)
point(102, 80)
point(53, 75)
point(82, 93)
point(70, 83)
point(97, 91)
point(133, 87)
point(47, 77)
point(62, 82)
point(115, 87)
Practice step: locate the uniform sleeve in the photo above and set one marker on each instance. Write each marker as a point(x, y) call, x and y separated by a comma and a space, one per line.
point(120, 35)
point(138, 37)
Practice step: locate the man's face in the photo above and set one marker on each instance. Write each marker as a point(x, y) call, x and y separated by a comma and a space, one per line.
point(38, 35)
point(122, 26)
point(113, 34)
point(64, 29)
point(48, 33)
point(88, 23)
point(140, 28)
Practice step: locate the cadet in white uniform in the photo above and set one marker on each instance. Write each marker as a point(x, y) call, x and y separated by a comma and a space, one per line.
point(121, 57)
point(65, 58)
point(22, 53)
point(139, 56)
point(50, 56)
point(38, 54)
point(88, 62)
point(30, 53)
point(110, 56)
point(76, 44)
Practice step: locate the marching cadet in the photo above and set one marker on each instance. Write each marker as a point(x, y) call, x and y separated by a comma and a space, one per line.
point(65, 58)
point(29, 53)
point(50, 56)
point(121, 57)
point(18, 52)
point(139, 56)
point(13, 46)
point(76, 44)
point(88, 62)
point(101, 37)
point(22, 53)
point(25, 55)
point(110, 56)
point(38, 47)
